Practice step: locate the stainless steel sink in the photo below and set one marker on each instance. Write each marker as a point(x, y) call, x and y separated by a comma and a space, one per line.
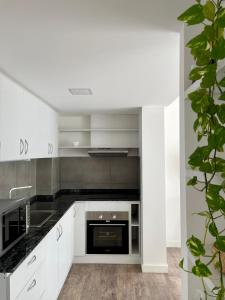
point(39, 217)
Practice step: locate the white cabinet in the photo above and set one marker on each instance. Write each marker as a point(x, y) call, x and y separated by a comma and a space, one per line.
point(79, 229)
point(28, 126)
point(35, 287)
point(11, 95)
point(52, 290)
point(28, 282)
point(42, 274)
point(59, 255)
point(65, 244)
point(47, 132)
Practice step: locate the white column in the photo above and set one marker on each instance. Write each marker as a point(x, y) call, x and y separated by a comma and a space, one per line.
point(152, 152)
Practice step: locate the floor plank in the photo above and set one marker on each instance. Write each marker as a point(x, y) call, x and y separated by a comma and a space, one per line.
point(122, 282)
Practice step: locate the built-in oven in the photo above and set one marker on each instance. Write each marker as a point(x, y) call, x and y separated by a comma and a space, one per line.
point(107, 232)
point(14, 224)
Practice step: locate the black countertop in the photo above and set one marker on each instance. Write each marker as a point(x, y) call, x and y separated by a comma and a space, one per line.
point(10, 261)
point(16, 255)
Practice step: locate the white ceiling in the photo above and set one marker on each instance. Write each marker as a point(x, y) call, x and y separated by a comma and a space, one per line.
point(126, 51)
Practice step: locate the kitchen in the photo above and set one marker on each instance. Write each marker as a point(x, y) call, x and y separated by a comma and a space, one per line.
point(75, 180)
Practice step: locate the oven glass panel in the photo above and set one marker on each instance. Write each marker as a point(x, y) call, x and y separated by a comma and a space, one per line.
point(14, 226)
point(107, 236)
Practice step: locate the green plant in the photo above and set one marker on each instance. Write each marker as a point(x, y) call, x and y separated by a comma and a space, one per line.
point(207, 101)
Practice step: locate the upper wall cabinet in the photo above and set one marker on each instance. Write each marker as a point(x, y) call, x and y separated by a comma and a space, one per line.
point(28, 127)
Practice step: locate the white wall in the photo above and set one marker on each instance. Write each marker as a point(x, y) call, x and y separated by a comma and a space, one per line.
point(172, 164)
point(154, 256)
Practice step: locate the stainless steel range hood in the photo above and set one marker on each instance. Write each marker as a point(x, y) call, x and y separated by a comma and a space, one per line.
point(108, 153)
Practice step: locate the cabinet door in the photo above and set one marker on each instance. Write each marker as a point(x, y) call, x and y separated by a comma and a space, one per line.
point(65, 246)
point(35, 287)
point(79, 229)
point(28, 127)
point(30, 122)
point(47, 132)
point(10, 121)
point(52, 287)
point(53, 133)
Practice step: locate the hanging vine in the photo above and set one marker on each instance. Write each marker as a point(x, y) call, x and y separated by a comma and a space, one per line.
point(207, 101)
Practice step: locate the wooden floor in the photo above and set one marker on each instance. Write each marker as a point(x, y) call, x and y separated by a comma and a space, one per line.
point(122, 282)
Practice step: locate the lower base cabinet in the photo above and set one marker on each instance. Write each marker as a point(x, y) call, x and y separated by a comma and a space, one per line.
point(59, 255)
point(35, 287)
point(42, 274)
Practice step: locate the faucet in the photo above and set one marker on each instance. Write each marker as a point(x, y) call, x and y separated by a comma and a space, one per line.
point(18, 188)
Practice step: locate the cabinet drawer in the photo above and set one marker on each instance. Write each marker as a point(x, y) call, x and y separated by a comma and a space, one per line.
point(35, 287)
point(20, 277)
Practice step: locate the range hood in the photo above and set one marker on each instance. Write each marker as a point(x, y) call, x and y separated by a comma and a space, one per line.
point(108, 153)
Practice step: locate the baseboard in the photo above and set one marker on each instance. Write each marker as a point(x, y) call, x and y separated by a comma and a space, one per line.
point(148, 268)
point(173, 244)
point(107, 259)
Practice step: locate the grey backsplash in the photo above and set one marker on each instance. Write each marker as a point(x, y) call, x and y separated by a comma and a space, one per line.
point(113, 173)
point(18, 173)
point(47, 176)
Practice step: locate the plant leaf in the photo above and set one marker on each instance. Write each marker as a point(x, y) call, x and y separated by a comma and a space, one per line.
point(198, 42)
point(221, 113)
point(209, 10)
point(222, 96)
point(195, 246)
point(200, 269)
point(198, 156)
point(213, 229)
point(209, 76)
point(221, 18)
point(204, 214)
point(220, 243)
point(193, 181)
point(222, 82)
point(218, 51)
point(215, 201)
point(193, 15)
point(181, 264)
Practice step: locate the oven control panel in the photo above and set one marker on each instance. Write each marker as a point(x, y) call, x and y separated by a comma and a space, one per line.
point(107, 215)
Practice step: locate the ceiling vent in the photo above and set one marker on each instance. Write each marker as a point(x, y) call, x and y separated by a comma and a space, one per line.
point(80, 91)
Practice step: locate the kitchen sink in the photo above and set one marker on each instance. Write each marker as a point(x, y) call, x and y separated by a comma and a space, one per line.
point(39, 217)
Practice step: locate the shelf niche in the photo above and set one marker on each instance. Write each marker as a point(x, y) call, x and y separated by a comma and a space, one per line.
point(117, 131)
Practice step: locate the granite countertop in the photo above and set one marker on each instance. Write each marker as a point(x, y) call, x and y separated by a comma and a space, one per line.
point(10, 261)
point(103, 194)
point(16, 255)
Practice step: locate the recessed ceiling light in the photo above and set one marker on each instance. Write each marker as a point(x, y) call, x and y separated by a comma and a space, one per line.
point(80, 91)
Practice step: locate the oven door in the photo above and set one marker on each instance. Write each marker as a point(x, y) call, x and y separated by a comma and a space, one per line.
point(13, 226)
point(107, 237)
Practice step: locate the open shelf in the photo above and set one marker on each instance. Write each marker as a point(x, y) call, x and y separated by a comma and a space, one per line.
point(98, 129)
point(135, 240)
point(135, 219)
point(95, 147)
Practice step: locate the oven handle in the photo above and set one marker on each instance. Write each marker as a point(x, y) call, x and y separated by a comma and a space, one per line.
point(107, 224)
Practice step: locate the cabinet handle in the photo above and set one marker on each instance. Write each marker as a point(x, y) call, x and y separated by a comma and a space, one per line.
point(33, 283)
point(26, 146)
point(52, 149)
point(21, 146)
point(32, 260)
